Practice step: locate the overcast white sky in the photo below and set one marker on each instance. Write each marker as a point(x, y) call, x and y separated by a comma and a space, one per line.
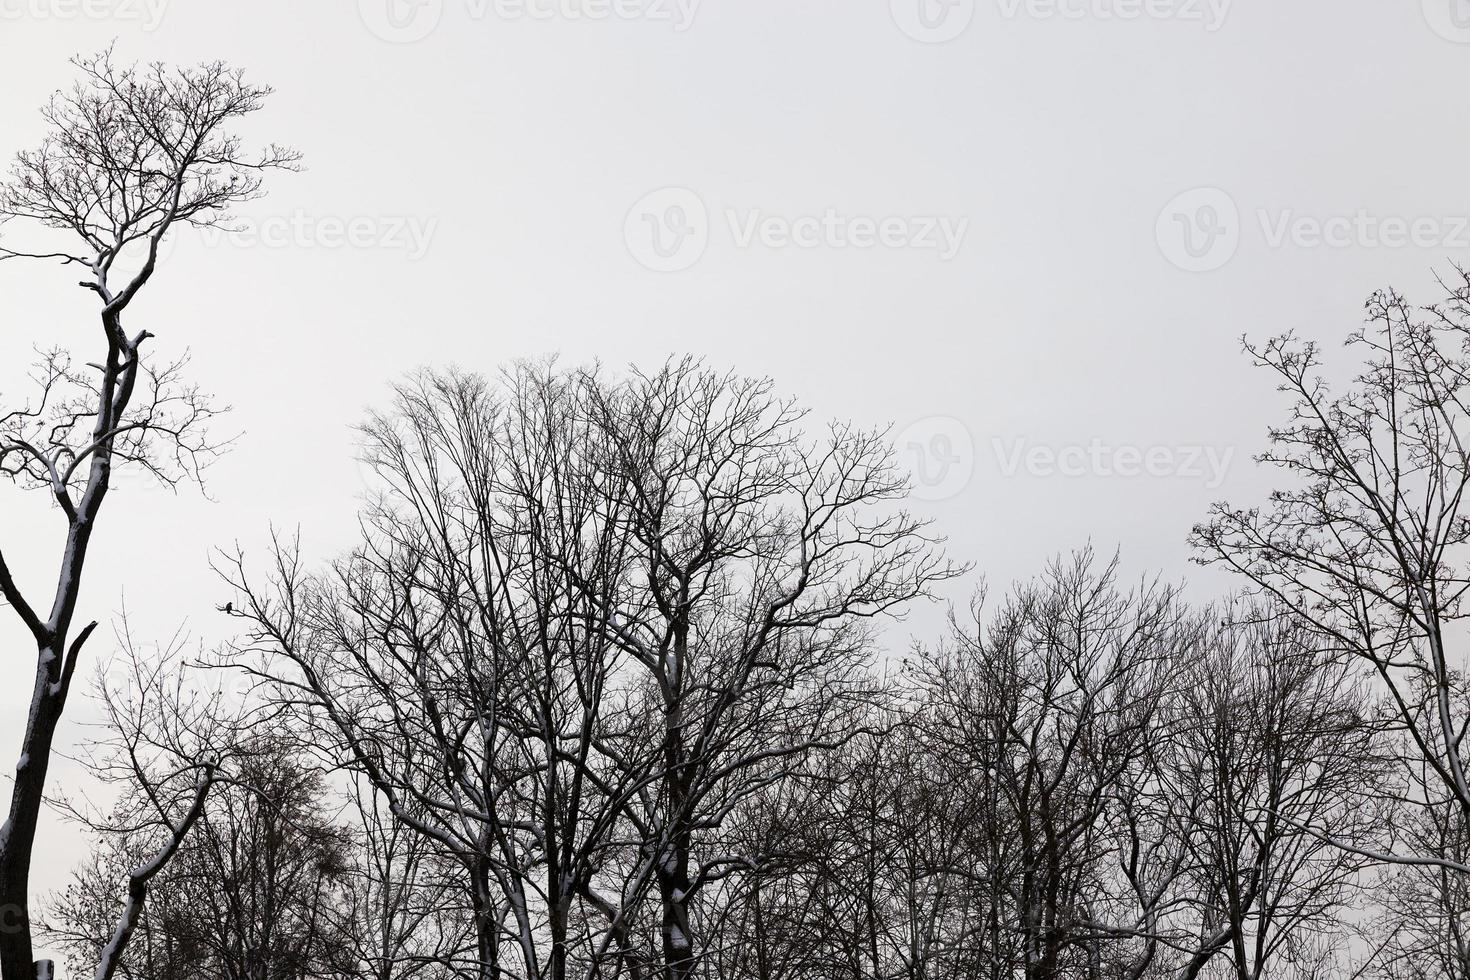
point(1027, 232)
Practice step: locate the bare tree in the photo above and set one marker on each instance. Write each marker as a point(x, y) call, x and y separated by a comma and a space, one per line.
point(1087, 783)
point(795, 915)
point(456, 661)
point(248, 892)
point(131, 155)
point(401, 914)
point(913, 858)
point(1054, 708)
point(266, 885)
point(760, 552)
point(1268, 738)
point(1365, 541)
point(255, 885)
point(589, 621)
point(170, 741)
point(1421, 927)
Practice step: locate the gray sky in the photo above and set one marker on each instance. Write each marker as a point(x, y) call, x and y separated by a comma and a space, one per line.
point(1028, 232)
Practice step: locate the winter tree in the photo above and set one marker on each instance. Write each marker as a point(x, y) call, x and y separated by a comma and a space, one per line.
point(132, 153)
point(1365, 538)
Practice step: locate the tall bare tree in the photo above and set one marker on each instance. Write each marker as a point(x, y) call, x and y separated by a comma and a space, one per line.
point(591, 618)
point(456, 661)
point(1365, 540)
point(131, 154)
point(761, 553)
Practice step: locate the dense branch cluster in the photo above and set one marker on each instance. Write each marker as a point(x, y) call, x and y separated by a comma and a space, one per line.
point(608, 688)
point(605, 667)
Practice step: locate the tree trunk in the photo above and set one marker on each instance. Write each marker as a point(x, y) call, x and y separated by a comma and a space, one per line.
point(673, 869)
point(673, 882)
point(54, 663)
point(487, 929)
point(17, 837)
